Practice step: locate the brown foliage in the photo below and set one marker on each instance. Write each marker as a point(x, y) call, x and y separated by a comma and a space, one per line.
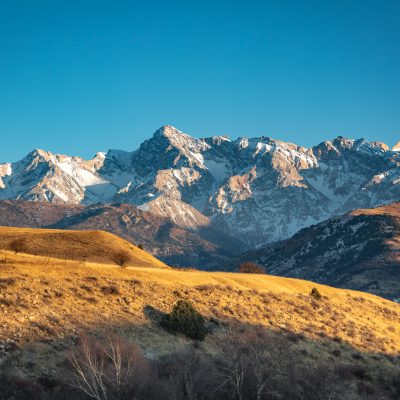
point(251, 268)
point(315, 294)
point(18, 245)
point(111, 289)
point(122, 258)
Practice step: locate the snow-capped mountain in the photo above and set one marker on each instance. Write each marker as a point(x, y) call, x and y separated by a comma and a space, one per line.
point(258, 190)
point(54, 178)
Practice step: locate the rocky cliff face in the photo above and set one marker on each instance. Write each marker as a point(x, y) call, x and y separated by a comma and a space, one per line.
point(257, 190)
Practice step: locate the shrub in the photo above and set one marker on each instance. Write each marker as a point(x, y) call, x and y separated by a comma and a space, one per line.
point(140, 246)
point(122, 258)
point(251, 268)
point(4, 282)
point(111, 289)
point(315, 294)
point(18, 245)
point(184, 318)
point(14, 387)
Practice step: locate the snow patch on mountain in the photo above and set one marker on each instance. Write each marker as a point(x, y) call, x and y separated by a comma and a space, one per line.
point(218, 170)
point(258, 190)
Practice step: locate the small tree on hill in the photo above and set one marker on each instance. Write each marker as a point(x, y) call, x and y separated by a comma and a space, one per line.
point(251, 268)
point(122, 258)
point(18, 245)
point(184, 318)
point(140, 246)
point(315, 293)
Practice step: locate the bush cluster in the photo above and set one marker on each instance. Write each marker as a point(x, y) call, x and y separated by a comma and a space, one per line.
point(184, 318)
point(248, 364)
point(251, 268)
point(315, 294)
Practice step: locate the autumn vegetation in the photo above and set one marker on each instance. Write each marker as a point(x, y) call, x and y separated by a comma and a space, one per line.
point(249, 267)
point(77, 330)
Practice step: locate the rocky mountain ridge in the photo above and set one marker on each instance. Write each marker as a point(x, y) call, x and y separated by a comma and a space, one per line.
point(257, 190)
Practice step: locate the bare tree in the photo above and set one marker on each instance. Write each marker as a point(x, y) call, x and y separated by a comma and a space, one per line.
point(249, 364)
point(188, 374)
point(122, 258)
point(114, 371)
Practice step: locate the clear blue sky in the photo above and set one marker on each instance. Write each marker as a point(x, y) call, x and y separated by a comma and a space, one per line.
point(78, 76)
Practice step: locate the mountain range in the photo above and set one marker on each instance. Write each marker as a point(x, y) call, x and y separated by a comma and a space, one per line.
point(254, 191)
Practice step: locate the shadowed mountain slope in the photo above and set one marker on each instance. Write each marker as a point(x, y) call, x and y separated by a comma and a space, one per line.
point(360, 250)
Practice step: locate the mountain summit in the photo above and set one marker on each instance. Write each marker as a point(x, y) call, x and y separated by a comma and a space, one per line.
point(256, 189)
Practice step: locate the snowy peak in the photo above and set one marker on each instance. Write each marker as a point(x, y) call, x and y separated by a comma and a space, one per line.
point(257, 189)
point(180, 140)
point(169, 147)
point(56, 178)
point(342, 144)
point(220, 139)
point(396, 147)
point(326, 151)
point(171, 133)
point(380, 145)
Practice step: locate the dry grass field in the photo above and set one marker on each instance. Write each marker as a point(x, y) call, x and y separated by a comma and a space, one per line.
point(44, 297)
point(46, 302)
point(95, 246)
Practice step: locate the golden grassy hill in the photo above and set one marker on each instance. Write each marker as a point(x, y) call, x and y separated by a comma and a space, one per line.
point(45, 303)
point(69, 287)
point(45, 297)
point(94, 246)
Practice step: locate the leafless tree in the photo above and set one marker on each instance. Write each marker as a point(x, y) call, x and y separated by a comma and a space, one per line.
point(115, 370)
point(249, 365)
point(122, 258)
point(188, 374)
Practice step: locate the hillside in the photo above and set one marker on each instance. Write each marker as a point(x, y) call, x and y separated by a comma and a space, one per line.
point(47, 305)
point(71, 295)
point(257, 190)
point(360, 250)
point(95, 246)
point(175, 245)
point(47, 302)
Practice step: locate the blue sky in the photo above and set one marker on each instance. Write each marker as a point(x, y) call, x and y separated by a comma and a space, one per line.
point(80, 76)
